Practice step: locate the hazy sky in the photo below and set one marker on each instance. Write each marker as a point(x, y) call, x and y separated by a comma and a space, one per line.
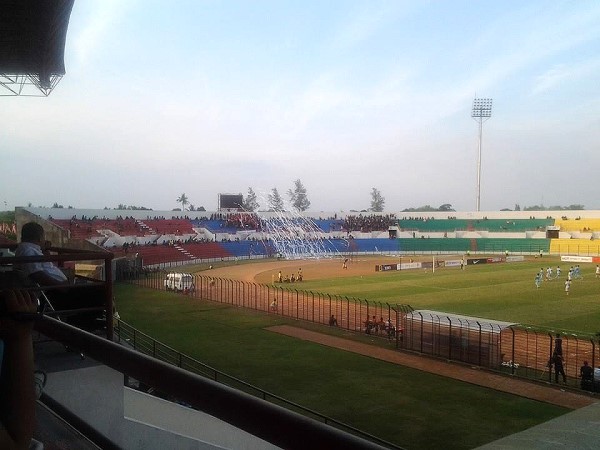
point(202, 97)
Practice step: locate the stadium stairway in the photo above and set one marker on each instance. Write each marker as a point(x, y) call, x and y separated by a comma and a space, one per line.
point(184, 251)
point(146, 229)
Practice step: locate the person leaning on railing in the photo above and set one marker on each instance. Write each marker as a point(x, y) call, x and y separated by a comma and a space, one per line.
point(33, 243)
point(17, 392)
point(46, 274)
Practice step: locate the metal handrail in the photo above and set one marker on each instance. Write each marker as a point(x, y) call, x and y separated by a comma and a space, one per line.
point(153, 348)
point(265, 420)
point(66, 254)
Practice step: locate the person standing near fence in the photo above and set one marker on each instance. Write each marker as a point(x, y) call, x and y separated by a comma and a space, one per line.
point(558, 344)
point(586, 372)
point(557, 359)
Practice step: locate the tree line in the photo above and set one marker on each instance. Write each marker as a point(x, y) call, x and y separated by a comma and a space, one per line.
point(298, 200)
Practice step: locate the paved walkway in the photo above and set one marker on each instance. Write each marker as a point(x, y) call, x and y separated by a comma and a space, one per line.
point(535, 391)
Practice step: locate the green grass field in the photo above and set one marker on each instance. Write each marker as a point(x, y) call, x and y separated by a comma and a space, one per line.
point(405, 406)
point(494, 291)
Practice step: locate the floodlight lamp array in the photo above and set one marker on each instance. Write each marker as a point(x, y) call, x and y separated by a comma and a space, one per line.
point(482, 107)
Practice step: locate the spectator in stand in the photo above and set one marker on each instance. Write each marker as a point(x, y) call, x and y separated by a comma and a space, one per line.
point(369, 223)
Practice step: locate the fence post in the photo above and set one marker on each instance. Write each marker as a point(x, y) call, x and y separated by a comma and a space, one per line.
point(512, 353)
point(593, 353)
point(243, 284)
point(449, 338)
point(421, 331)
point(396, 322)
point(269, 295)
point(479, 349)
point(433, 338)
point(550, 366)
point(347, 313)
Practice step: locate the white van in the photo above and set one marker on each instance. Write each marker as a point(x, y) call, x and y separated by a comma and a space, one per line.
point(179, 282)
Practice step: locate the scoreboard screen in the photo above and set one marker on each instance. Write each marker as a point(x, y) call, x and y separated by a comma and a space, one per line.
point(231, 201)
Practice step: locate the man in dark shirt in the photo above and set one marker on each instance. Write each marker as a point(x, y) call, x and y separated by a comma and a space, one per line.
point(586, 372)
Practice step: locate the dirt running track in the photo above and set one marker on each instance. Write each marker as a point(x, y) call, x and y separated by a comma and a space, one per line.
point(483, 378)
point(266, 272)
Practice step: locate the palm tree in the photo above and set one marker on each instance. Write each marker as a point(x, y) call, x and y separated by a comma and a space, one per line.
point(183, 200)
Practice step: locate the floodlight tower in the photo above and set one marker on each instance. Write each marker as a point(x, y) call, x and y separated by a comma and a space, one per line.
point(481, 112)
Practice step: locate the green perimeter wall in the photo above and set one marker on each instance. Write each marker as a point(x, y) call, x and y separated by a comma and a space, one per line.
point(443, 245)
point(493, 225)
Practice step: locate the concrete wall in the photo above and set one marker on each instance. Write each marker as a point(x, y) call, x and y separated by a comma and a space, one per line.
point(135, 420)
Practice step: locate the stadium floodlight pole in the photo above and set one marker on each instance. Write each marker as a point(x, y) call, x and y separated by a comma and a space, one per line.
point(482, 111)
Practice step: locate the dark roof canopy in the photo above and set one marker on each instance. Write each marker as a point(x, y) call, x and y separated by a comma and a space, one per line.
point(32, 43)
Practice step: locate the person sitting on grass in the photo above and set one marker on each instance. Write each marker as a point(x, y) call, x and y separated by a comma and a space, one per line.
point(333, 321)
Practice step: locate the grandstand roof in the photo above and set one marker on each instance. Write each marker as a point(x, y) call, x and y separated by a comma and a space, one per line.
point(32, 44)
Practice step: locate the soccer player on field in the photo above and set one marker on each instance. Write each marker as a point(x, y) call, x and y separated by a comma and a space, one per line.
point(538, 279)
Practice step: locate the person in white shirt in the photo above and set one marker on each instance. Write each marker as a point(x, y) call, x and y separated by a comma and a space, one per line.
point(46, 274)
point(33, 243)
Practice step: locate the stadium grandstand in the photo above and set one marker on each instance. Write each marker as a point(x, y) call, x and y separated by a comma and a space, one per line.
point(86, 404)
point(173, 237)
